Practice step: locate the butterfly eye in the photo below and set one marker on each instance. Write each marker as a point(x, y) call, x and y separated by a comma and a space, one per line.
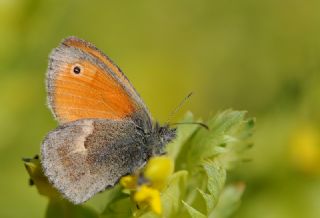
point(77, 69)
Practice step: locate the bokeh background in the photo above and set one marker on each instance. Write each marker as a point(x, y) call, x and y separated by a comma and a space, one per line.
point(259, 56)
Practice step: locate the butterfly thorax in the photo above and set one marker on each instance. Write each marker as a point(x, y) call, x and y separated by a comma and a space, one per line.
point(158, 138)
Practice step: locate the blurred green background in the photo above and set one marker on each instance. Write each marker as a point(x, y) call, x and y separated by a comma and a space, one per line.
point(260, 56)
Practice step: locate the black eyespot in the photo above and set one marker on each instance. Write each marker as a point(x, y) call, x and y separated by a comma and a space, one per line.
point(76, 70)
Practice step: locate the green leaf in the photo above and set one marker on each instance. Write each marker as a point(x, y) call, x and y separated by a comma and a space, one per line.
point(117, 204)
point(239, 142)
point(172, 196)
point(193, 212)
point(215, 150)
point(101, 201)
point(228, 131)
point(119, 208)
point(205, 142)
point(64, 209)
point(229, 201)
point(216, 177)
point(149, 215)
point(184, 132)
point(209, 200)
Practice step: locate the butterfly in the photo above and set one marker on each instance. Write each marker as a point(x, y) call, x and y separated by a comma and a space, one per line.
point(105, 130)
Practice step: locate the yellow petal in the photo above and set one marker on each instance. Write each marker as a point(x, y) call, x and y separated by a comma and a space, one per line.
point(129, 182)
point(155, 202)
point(158, 170)
point(150, 197)
point(143, 194)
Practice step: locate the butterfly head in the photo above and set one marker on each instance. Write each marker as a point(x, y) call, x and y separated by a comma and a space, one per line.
point(166, 134)
point(160, 136)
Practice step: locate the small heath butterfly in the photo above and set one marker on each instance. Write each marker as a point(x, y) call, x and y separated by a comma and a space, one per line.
point(105, 130)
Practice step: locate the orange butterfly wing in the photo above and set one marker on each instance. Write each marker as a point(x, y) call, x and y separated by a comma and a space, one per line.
point(92, 50)
point(83, 83)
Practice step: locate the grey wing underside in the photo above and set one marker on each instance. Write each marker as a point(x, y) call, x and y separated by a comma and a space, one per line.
point(85, 157)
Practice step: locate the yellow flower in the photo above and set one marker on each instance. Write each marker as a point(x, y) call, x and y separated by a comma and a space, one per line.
point(149, 196)
point(145, 185)
point(305, 150)
point(37, 178)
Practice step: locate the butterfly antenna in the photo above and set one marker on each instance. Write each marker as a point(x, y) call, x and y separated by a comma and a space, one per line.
point(179, 106)
point(193, 123)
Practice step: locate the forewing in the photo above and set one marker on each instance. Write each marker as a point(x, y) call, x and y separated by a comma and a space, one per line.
point(100, 90)
point(84, 157)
